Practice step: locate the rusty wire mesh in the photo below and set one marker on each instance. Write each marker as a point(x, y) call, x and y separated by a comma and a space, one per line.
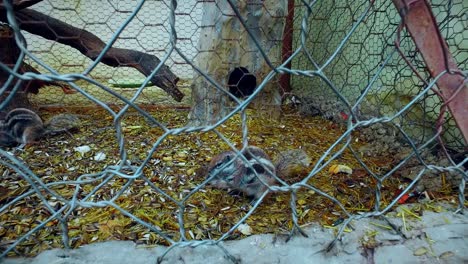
point(344, 58)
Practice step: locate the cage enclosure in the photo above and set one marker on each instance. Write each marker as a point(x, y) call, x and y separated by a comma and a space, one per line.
point(185, 123)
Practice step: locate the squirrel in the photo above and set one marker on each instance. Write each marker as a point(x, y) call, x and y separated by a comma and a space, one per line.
point(228, 171)
point(23, 126)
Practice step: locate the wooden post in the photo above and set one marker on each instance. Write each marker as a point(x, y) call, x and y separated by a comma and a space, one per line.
point(285, 79)
point(9, 53)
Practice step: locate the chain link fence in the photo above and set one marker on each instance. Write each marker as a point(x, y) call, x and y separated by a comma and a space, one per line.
point(131, 173)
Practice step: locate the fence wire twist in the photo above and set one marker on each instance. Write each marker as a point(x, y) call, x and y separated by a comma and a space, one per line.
point(126, 170)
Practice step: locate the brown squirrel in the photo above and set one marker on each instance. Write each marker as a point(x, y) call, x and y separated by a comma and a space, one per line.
point(229, 171)
point(23, 126)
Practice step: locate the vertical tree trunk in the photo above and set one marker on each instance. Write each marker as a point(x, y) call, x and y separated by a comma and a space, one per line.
point(9, 53)
point(225, 45)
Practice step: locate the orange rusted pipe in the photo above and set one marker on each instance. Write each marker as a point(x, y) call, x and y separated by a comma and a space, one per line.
point(420, 23)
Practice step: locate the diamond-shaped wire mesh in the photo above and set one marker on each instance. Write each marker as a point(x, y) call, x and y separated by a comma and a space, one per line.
point(343, 58)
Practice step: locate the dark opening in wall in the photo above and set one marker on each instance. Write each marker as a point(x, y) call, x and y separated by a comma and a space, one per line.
point(241, 82)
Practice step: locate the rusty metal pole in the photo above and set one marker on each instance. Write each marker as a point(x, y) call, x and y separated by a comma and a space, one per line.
point(286, 51)
point(420, 23)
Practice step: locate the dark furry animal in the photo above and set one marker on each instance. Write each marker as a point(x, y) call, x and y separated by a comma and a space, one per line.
point(21, 126)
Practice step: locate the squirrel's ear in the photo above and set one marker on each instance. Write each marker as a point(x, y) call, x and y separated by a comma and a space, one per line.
point(222, 162)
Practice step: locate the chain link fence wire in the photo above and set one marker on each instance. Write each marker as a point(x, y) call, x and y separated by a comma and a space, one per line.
point(345, 67)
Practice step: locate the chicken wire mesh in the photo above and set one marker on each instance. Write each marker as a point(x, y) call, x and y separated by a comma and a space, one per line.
point(148, 32)
point(393, 108)
point(360, 59)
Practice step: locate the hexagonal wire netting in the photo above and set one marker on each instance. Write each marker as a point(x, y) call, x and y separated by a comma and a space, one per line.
point(147, 32)
point(355, 39)
point(360, 59)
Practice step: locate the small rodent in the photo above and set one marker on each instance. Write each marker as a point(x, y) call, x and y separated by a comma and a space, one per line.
point(291, 162)
point(23, 126)
point(229, 171)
